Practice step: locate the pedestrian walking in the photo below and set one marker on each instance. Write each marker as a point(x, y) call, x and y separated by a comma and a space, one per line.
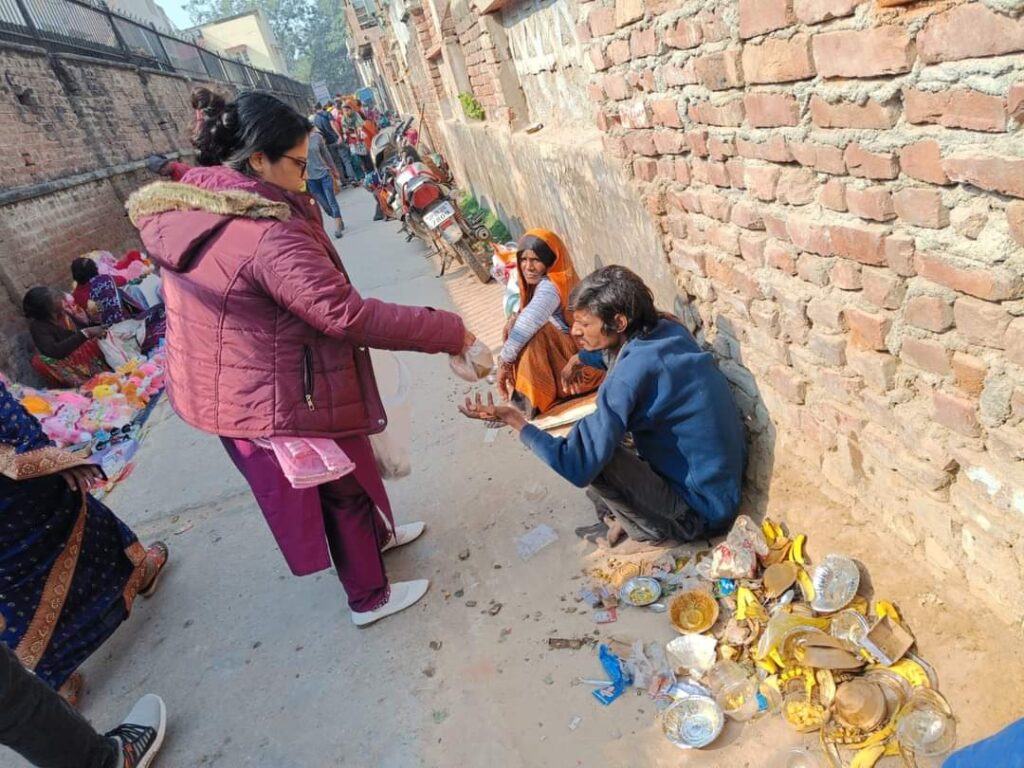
point(48, 732)
point(322, 179)
point(267, 338)
point(69, 568)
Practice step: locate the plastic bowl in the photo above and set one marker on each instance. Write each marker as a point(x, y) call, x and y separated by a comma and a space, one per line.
point(836, 580)
point(693, 722)
point(693, 611)
point(640, 591)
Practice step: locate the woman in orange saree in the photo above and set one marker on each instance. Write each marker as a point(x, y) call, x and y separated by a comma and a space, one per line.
point(537, 342)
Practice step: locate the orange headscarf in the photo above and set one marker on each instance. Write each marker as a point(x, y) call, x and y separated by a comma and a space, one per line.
point(561, 273)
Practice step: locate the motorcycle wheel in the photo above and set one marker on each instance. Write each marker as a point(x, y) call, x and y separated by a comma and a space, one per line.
point(474, 261)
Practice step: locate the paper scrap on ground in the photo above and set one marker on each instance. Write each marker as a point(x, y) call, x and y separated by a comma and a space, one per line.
point(534, 540)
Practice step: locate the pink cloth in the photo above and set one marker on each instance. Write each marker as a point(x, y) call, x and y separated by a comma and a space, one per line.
point(260, 311)
point(308, 461)
point(346, 520)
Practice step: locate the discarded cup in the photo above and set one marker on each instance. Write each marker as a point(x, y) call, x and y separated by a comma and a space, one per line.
point(640, 591)
point(693, 722)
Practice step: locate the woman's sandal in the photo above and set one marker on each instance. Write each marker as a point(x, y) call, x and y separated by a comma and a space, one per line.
point(156, 560)
point(71, 691)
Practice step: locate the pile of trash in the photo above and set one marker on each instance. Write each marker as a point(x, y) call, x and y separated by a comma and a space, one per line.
point(763, 632)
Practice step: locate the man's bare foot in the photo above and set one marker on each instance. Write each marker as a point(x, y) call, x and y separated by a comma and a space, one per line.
point(616, 533)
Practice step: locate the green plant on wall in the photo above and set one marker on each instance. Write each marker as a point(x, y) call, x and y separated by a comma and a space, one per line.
point(471, 107)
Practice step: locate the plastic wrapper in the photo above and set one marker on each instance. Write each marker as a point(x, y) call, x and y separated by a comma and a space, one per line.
point(474, 364)
point(736, 557)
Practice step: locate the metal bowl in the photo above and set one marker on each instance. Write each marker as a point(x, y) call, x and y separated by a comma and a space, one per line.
point(836, 580)
point(640, 591)
point(693, 722)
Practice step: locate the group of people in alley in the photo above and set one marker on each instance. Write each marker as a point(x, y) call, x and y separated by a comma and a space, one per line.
point(267, 345)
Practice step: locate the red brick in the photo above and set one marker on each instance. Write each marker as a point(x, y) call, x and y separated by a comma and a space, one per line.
point(969, 373)
point(867, 331)
point(978, 280)
point(618, 51)
point(665, 112)
point(771, 110)
point(606, 122)
point(820, 157)
point(982, 322)
point(959, 108)
point(832, 195)
point(698, 141)
point(778, 61)
point(927, 355)
point(669, 142)
point(877, 368)
point(718, 174)
point(675, 76)
point(737, 173)
point(628, 11)
point(645, 168)
point(996, 174)
point(762, 180)
point(583, 32)
point(721, 148)
point(788, 383)
point(641, 143)
point(682, 171)
point(863, 243)
point(776, 225)
point(797, 186)
point(729, 114)
point(752, 248)
point(780, 256)
point(829, 347)
point(882, 288)
point(956, 413)
point(870, 165)
point(666, 170)
point(1015, 220)
point(597, 58)
point(1015, 342)
point(643, 43)
point(616, 87)
point(921, 207)
point(816, 11)
point(873, 203)
point(714, 26)
point(719, 71)
point(930, 313)
point(602, 21)
point(699, 170)
point(807, 235)
point(923, 161)
point(688, 258)
point(747, 215)
point(826, 314)
point(1015, 101)
point(967, 32)
point(677, 224)
point(846, 276)
point(685, 34)
point(758, 17)
point(863, 53)
point(846, 114)
point(899, 255)
point(726, 237)
point(596, 93)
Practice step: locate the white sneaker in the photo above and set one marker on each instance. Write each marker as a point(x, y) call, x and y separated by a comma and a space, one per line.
point(141, 733)
point(404, 534)
point(403, 594)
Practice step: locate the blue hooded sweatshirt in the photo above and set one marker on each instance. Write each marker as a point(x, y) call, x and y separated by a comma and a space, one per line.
point(669, 394)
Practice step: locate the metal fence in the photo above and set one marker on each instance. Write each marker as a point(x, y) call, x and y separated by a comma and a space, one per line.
point(81, 26)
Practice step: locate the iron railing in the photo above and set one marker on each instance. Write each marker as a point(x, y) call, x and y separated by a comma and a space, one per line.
point(91, 28)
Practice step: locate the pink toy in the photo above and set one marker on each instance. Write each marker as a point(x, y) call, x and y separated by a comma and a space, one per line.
point(63, 427)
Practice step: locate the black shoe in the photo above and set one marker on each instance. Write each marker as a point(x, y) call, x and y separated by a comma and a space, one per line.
point(142, 732)
point(592, 532)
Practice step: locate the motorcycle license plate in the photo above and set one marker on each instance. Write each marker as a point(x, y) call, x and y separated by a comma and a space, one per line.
point(439, 215)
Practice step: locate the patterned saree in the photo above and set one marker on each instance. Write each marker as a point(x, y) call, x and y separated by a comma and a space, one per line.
point(69, 568)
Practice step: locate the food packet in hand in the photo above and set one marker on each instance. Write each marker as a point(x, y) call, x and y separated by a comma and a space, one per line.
point(474, 364)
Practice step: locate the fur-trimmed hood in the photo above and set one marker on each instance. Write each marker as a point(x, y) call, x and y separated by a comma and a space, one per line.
point(176, 219)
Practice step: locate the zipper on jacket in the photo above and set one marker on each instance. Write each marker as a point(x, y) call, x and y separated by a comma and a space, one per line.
point(307, 376)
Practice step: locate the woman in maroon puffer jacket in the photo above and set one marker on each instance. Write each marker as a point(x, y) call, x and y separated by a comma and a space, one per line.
point(267, 337)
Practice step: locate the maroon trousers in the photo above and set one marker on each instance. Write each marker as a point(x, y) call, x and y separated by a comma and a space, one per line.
point(342, 518)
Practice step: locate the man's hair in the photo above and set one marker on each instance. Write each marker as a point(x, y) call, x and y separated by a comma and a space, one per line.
point(612, 291)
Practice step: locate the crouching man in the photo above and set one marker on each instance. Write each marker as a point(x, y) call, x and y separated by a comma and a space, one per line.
point(681, 479)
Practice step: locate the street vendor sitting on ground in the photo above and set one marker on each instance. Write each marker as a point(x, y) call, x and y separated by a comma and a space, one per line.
point(683, 481)
point(537, 341)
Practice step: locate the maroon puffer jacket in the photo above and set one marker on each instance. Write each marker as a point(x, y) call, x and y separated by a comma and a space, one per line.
point(262, 321)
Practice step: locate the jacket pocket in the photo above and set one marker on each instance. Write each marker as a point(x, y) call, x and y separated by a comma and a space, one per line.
point(307, 377)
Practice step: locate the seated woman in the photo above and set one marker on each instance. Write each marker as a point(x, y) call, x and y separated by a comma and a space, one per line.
point(67, 357)
point(537, 342)
point(101, 296)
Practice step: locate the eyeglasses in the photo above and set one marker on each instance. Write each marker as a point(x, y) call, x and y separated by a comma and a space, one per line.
point(299, 162)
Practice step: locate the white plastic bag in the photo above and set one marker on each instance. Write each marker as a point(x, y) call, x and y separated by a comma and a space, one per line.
point(474, 364)
point(123, 342)
point(392, 447)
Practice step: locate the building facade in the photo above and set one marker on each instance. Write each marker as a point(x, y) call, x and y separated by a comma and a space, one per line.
point(246, 37)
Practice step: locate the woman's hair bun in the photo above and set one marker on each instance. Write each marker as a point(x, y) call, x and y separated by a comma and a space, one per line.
point(216, 132)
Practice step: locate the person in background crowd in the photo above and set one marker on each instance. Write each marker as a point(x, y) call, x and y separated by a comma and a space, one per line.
point(69, 568)
point(684, 479)
point(537, 341)
point(171, 169)
point(103, 300)
point(267, 338)
point(66, 356)
point(45, 730)
point(321, 177)
point(324, 122)
point(356, 140)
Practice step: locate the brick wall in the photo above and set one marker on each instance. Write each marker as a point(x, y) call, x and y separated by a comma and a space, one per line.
point(82, 126)
point(839, 187)
point(841, 190)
